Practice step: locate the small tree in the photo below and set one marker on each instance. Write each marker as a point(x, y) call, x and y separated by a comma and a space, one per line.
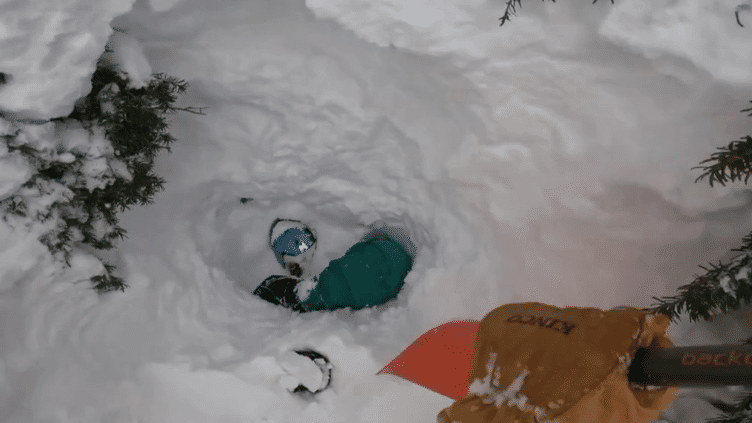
point(86, 189)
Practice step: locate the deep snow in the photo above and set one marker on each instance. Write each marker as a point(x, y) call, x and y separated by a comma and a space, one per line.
point(547, 160)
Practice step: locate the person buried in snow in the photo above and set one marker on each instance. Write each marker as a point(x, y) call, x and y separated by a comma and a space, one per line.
point(370, 273)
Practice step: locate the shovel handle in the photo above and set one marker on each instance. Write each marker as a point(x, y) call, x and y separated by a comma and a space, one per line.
point(709, 365)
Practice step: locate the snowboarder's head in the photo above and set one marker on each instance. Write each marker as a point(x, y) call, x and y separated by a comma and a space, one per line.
point(293, 244)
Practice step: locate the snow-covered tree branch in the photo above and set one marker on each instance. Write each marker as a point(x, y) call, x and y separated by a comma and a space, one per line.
point(85, 168)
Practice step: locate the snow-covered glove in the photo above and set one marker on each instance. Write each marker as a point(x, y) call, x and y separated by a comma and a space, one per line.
point(536, 363)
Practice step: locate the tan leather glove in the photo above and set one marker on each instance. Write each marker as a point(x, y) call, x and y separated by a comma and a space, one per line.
point(538, 363)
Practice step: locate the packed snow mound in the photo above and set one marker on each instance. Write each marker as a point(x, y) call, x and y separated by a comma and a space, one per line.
point(163, 5)
point(127, 55)
point(50, 50)
point(429, 26)
point(705, 33)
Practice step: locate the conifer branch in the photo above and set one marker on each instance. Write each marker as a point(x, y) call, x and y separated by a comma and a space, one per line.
point(511, 8)
point(193, 110)
point(723, 287)
point(107, 282)
point(736, 159)
point(739, 8)
point(740, 411)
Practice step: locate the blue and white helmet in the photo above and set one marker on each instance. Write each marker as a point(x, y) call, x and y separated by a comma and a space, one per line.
point(293, 244)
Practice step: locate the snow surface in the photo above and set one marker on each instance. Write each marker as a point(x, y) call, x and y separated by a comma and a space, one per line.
point(50, 49)
point(548, 160)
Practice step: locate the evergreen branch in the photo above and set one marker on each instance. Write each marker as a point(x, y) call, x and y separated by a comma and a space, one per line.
point(14, 205)
point(723, 287)
point(738, 8)
point(107, 282)
point(511, 8)
point(738, 412)
point(736, 158)
point(191, 110)
point(747, 110)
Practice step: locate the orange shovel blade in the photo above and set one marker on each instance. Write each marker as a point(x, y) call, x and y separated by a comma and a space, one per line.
point(440, 359)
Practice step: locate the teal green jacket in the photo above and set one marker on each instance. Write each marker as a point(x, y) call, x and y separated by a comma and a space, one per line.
point(370, 273)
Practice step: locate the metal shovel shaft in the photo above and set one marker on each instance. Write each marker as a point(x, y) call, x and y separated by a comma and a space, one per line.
point(699, 366)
